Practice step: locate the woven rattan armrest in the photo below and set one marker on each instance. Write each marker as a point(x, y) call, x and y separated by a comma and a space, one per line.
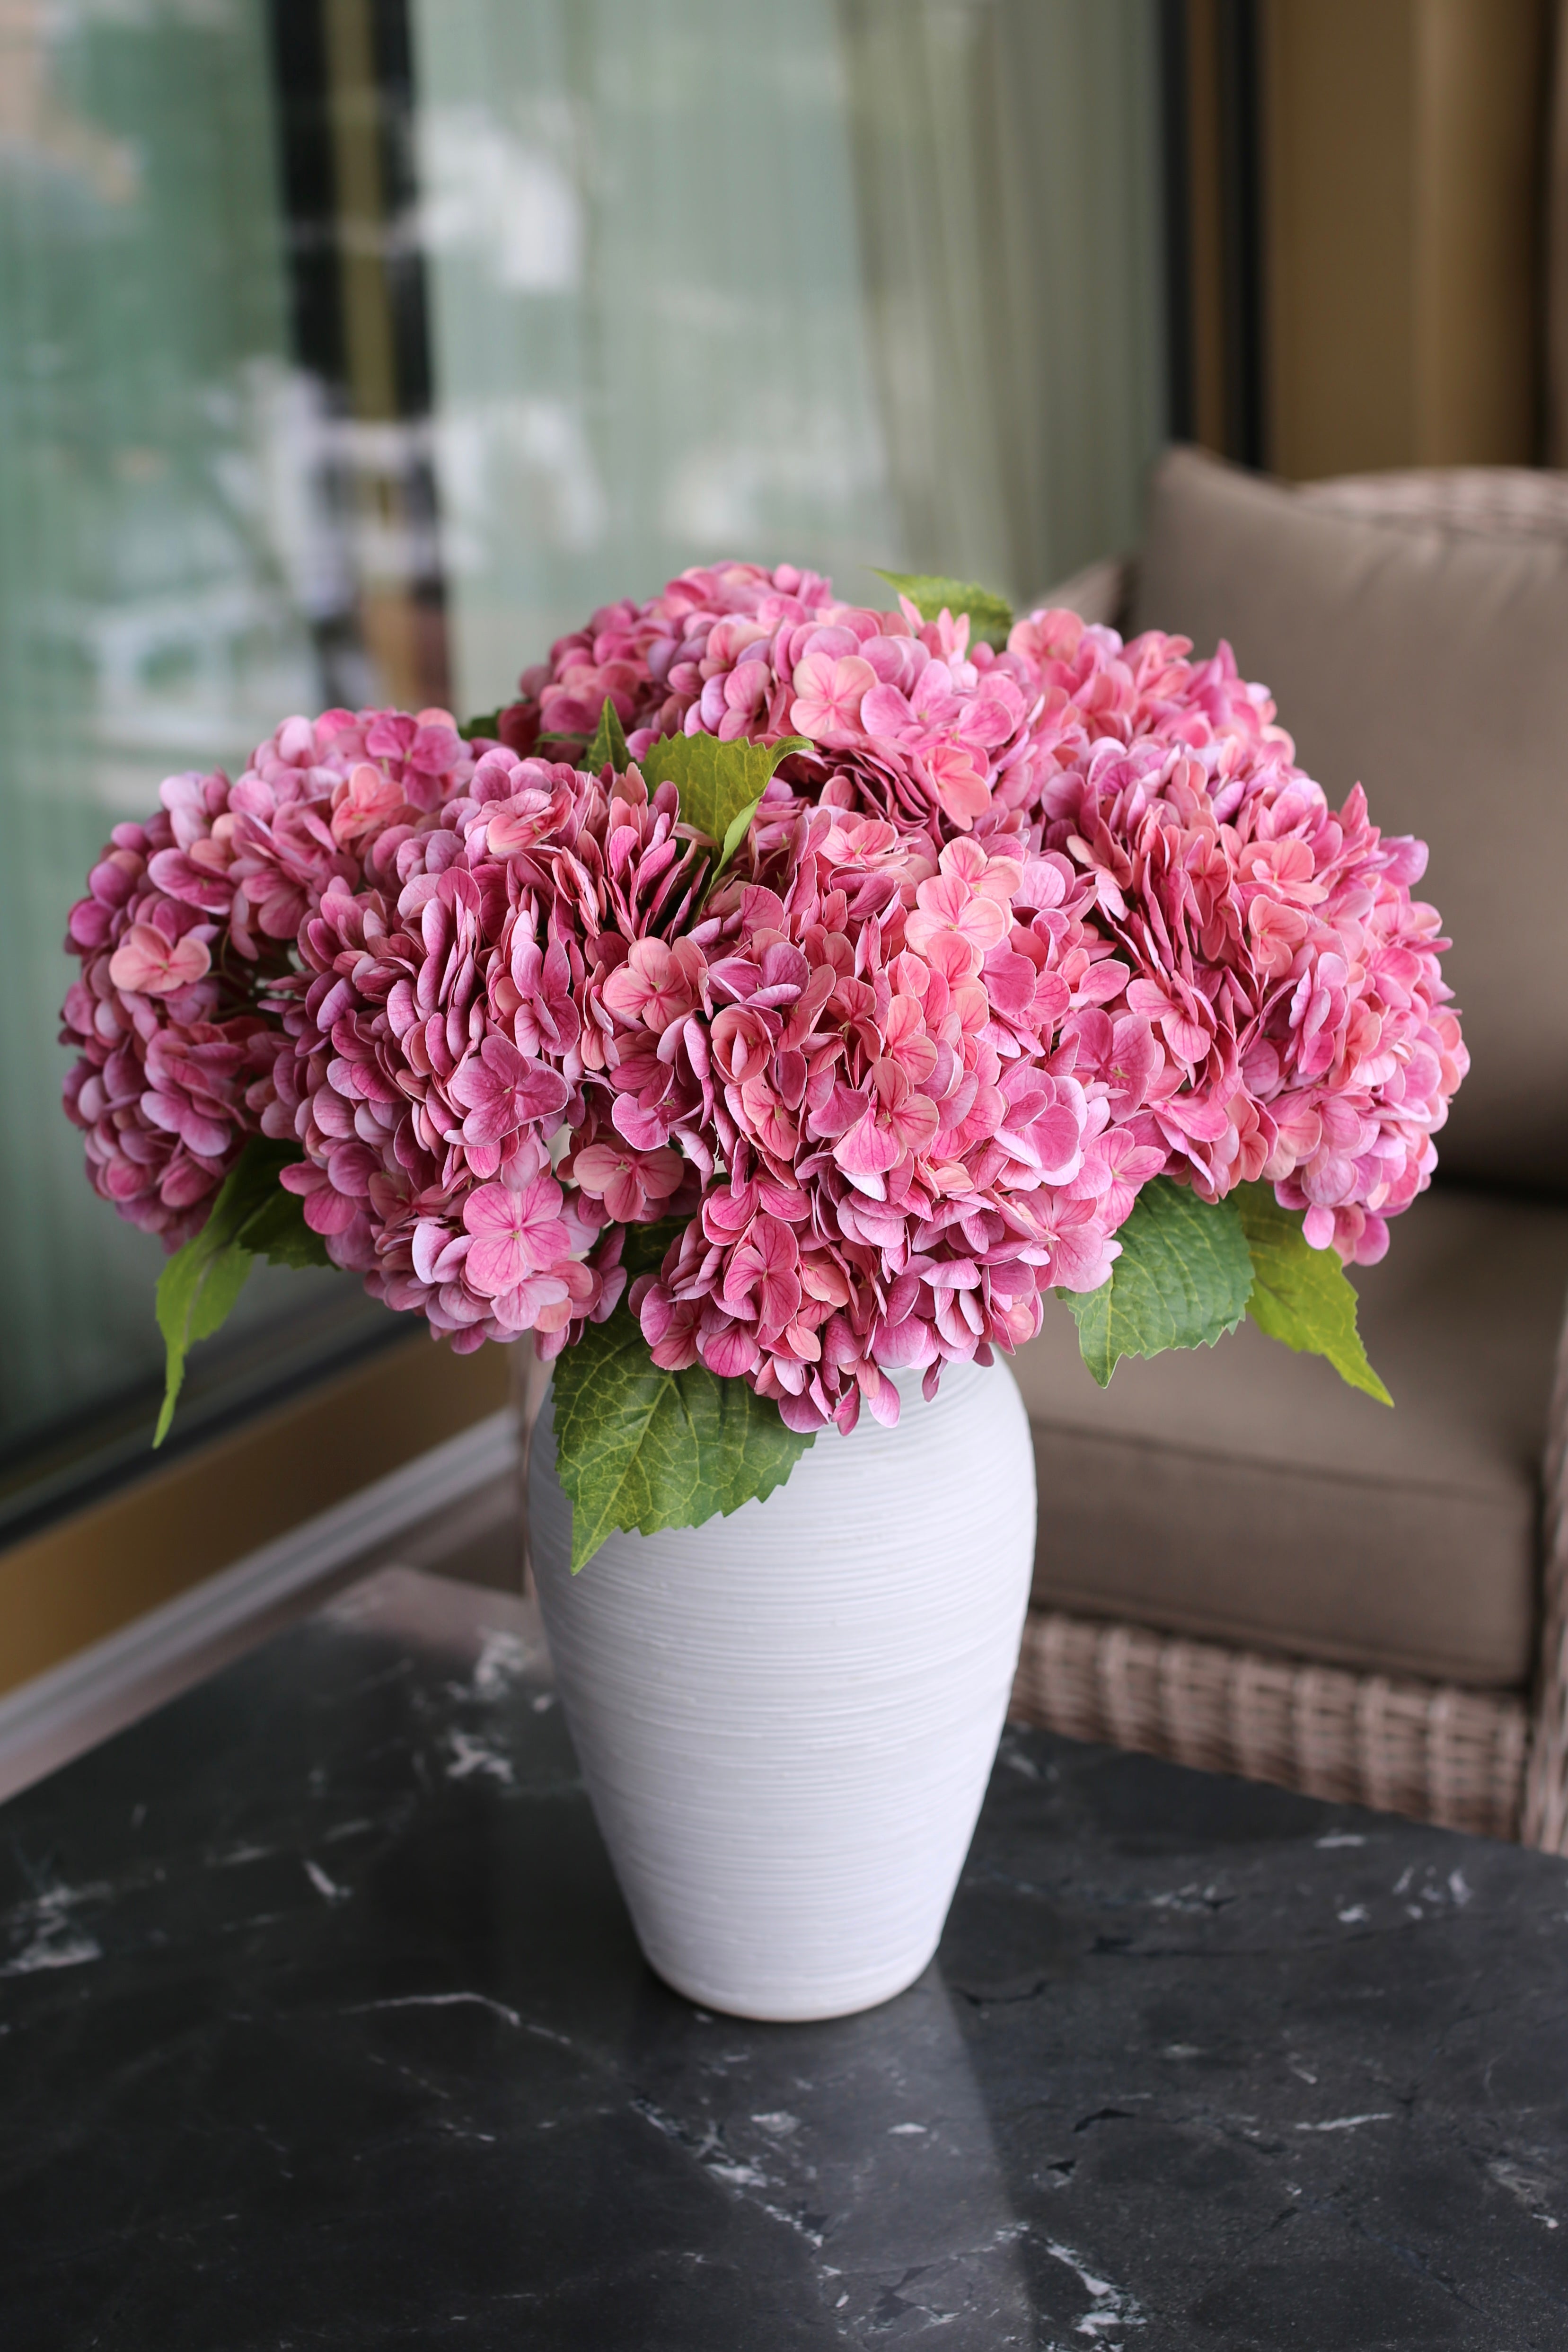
point(1546, 1781)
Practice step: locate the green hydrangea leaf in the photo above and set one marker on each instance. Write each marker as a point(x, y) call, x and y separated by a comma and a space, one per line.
point(645, 1247)
point(278, 1232)
point(252, 1217)
point(640, 1448)
point(1300, 1295)
point(487, 723)
point(609, 748)
point(990, 615)
point(719, 784)
point(196, 1291)
point(1183, 1277)
point(735, 833)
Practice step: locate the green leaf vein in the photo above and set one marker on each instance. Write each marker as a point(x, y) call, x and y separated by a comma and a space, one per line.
point(640, 1448)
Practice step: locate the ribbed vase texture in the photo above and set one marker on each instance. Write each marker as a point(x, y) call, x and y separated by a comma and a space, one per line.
point(786, 1719)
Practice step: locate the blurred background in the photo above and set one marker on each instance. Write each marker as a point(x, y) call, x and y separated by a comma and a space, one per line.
point(353, 350)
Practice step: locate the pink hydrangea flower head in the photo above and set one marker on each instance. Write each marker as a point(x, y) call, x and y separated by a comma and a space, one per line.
point(895, 1161)
point(449, 1043)
point(629, 653)
point(1281, 1013)
point(1017, 933)
point(191, 918)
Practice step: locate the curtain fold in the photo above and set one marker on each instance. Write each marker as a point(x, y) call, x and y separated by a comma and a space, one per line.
point(857, 282)
point(650, 344)
point(1007, 157)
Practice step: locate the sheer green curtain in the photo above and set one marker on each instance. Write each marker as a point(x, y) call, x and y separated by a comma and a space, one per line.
point(650, 338)
point(149, 471)
point(855, 281)
point(1008, 175)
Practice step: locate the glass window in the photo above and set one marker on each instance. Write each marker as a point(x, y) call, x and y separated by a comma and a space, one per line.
point(353, 349)
point(872, 283)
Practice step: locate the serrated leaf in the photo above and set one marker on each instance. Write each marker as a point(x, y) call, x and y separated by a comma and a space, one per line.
point(1183, 1277)
point(609, 748)
point(717, 783)
point(990, 615)
point(739, 827)
point(486, 724)
point(645, 1247)
point(199, 1285)
point(196, 1292)
point(1302, 1296)
point(227, 1271)
point(640, 1448)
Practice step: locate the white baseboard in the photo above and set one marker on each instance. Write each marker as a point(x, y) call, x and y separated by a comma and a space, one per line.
point(45, 1722)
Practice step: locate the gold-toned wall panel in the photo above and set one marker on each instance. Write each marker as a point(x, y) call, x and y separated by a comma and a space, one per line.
point(91, 1573)
point(1206, 228)
point(1480, 171)
point(1404, 143)
point(1339, 86)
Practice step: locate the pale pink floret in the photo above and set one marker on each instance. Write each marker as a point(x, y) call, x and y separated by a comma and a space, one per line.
point(517, 1232)
point(829, 691)
point(633, 1185)
point(149, 965)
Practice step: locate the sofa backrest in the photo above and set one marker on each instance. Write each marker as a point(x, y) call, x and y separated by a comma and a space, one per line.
point(1414, 633)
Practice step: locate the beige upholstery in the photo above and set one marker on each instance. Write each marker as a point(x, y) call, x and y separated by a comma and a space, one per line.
point(1246, 1494)
point(1242, 1564)
point(1428, 659)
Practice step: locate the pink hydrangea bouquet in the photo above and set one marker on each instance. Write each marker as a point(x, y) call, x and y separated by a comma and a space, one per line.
point(780, 995)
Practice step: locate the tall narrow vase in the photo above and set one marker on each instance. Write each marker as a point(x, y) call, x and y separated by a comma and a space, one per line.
point(786, 1719)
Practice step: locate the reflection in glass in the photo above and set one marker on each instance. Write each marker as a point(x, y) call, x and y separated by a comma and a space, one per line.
point(148, 618)
point(352, 350)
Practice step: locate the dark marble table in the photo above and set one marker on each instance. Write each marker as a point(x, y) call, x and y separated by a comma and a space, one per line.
point(321, 2026)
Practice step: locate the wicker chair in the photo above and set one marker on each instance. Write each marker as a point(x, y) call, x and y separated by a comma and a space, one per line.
point(1484, 1750)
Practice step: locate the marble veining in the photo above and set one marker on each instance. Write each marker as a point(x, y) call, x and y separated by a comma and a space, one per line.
point(322, 2025)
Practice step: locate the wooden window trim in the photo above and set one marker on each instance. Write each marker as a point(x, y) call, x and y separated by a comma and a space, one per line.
point(88, 1574)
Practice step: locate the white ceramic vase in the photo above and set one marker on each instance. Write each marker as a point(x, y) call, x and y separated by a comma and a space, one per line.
point(786, 1719)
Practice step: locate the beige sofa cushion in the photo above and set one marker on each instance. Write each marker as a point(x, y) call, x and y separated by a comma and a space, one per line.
point(1430, 662)
point(1246, 1494)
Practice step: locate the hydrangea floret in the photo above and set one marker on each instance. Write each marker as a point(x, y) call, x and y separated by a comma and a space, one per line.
point(781, 998)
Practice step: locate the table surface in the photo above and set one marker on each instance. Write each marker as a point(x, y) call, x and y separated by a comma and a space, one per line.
point(322, 2025)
